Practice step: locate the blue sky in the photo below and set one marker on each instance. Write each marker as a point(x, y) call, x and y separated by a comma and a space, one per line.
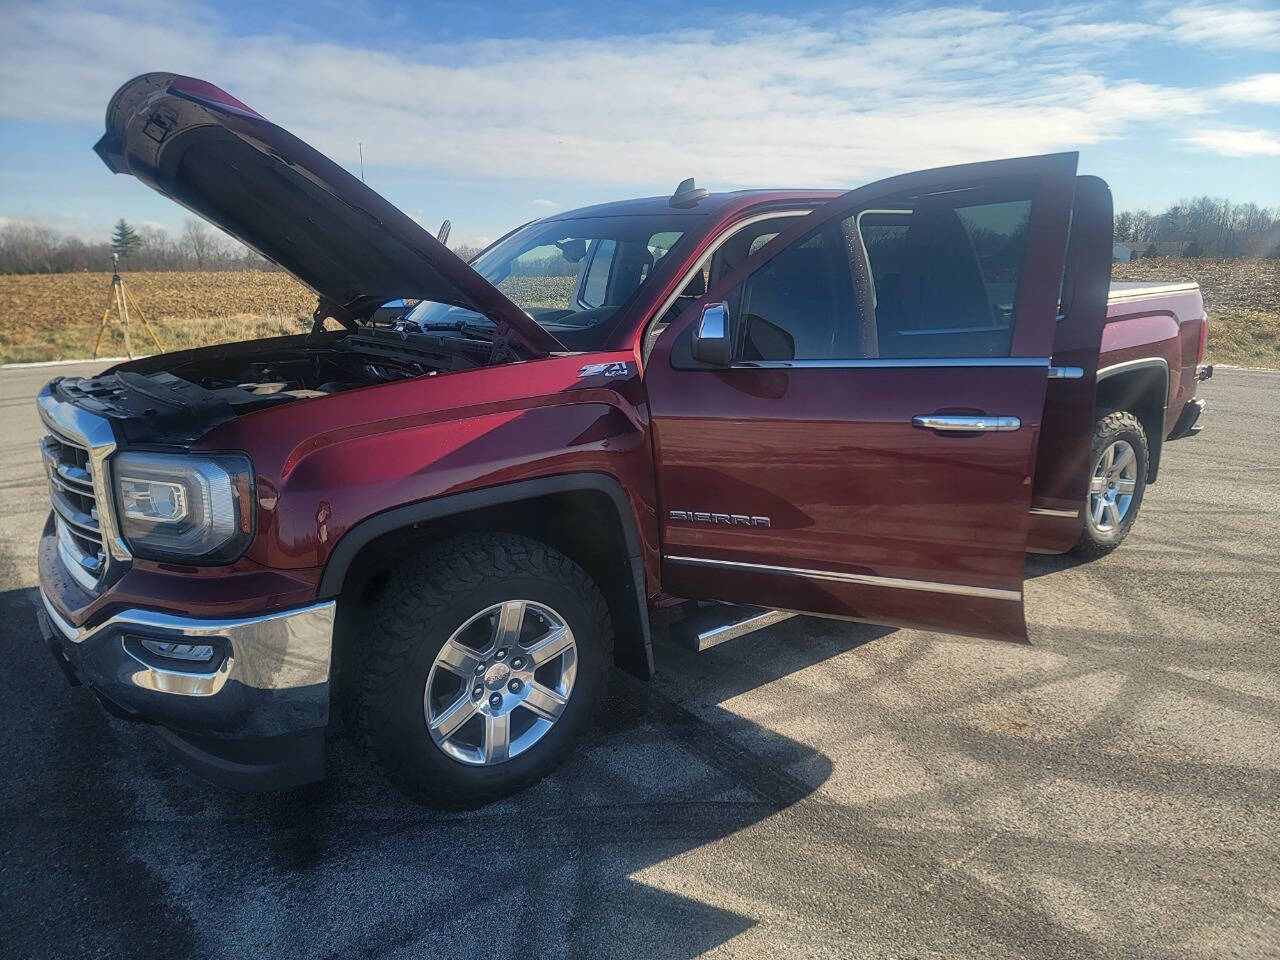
point(492, 117)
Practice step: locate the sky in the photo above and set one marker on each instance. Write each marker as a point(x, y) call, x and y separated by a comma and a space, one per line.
point(493, 117)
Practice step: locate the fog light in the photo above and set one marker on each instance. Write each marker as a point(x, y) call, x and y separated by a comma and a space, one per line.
point(200, 652)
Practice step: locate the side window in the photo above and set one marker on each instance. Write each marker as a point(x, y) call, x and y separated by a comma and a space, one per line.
point(595, 286)
point(945, 275)
point(800, 305)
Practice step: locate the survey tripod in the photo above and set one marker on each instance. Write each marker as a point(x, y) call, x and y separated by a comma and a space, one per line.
point(121, 299)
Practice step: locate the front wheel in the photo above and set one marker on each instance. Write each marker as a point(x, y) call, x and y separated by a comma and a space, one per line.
point(487, 659)
point(1116, 484)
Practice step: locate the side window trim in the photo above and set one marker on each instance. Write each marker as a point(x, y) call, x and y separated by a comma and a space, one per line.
point(653, 329)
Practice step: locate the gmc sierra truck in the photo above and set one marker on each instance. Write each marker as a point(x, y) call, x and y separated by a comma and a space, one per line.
point(439, 518)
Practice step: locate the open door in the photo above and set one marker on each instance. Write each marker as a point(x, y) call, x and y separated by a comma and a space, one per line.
point(847, 424)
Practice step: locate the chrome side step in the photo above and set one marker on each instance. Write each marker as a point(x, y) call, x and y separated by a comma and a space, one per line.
point(717, 624)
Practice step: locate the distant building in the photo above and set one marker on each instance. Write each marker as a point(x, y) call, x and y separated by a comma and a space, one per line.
point(1122, 252)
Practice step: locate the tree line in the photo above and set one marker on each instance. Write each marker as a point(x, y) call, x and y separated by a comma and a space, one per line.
point(1199, 227)
point(1202, 227)
point(32, 248)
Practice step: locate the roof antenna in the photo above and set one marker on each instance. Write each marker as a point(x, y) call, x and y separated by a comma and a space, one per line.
point(687, 195)
point(443, 235)
point(360, 147)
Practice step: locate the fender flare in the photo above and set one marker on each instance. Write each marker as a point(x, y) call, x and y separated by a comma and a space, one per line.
point(371, 528)
point(1155, 442)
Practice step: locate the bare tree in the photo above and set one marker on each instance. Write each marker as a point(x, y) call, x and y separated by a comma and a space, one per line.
point(203, 244)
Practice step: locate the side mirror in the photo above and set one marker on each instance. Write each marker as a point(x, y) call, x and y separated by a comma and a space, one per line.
point(713, 337)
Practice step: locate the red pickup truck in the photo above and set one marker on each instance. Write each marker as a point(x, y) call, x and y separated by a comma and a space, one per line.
point(446, 522)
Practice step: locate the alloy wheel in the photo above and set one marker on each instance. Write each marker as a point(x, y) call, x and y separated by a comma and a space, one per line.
point(500, 682)
point(1112, 486)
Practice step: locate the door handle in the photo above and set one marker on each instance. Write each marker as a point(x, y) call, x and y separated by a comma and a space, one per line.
point(966, 423)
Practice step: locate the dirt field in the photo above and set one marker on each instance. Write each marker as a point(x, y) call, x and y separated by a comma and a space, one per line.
point(56, 316)
point(1242, 298)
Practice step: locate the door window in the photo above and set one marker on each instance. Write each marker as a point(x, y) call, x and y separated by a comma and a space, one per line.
point(943, 274)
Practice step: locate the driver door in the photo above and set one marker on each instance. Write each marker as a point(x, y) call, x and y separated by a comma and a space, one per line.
point(868, 449)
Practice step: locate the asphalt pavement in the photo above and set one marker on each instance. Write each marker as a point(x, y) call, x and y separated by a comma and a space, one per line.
point(817, 789)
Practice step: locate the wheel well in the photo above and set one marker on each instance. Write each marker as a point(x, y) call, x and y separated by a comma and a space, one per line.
point(583, 524)
point(1142, 392)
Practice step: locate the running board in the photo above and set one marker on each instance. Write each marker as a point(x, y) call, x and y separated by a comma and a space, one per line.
point(717, 624)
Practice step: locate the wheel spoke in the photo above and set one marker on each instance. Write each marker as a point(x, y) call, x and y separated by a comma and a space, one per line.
point(1099, 508)
point(1098, 485)
point(544, 701)
point(458, 659)
point(454, 716)
point(497, 738)
point(1123, 460)
point(1113, 514)
point(510, 620)
point(1126, 487)
point(550, 646)
point(1108, 458)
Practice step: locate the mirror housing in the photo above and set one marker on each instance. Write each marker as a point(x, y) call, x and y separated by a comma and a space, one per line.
point(713, 336)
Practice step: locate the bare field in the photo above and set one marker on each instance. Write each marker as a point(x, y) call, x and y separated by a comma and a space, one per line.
point(56, 316)
point(1241, 297)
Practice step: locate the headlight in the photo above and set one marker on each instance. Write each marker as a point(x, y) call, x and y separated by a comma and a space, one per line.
point(189, 509)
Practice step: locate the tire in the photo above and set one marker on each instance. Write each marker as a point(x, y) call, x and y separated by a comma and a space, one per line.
point(1113, 430)
point(457, 593)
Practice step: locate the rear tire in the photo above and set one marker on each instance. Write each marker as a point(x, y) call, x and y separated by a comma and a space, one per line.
point(445, 623)
point(1117, 482)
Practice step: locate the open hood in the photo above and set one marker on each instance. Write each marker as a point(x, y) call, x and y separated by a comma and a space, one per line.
point(196, 144)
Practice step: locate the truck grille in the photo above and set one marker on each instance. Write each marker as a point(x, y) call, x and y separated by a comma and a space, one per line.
point(74, 452)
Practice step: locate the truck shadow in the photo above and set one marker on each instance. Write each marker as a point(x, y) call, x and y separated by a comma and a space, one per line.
point(349, 868)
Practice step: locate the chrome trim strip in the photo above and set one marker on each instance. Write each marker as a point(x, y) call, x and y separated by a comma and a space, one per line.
point(731, 631)
point(1066, 373)
point(75, 561)
point(1139, 364)
point(929, 586)
point(1054, 512)
point(287, 649)
point(891, 363)
point(966, 424)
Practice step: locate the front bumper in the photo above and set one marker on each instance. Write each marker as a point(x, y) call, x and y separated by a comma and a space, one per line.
point(253, 716)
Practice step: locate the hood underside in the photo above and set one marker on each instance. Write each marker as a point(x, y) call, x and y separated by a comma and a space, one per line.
point(195, 144)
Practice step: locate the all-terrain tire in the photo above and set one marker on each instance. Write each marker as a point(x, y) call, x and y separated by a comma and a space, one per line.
point(425, 601)
point(1112, 426)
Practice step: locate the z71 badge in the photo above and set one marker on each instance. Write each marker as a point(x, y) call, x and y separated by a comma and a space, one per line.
point(728, 519)
point(620, 369)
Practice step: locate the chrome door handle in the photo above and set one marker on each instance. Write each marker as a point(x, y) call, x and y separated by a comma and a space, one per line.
point(966, 423)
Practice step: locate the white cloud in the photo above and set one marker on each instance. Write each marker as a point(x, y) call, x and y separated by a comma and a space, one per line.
point(541, 202)
point(1236, 143)
point(1260, 88)
point(761, 100)
point(1236, 27)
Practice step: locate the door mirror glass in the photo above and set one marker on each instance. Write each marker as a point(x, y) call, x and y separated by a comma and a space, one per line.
point(713, 338)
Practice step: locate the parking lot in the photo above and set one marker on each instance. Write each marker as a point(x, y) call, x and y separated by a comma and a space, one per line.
point(817, 789)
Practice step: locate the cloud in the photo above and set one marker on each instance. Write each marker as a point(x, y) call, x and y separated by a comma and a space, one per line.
point(540, 202)
point(1260, 88)
point(761, 100)
point(1236, 143)
point(1234, 27)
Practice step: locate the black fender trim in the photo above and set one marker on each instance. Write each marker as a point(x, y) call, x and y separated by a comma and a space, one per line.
point(425, 511)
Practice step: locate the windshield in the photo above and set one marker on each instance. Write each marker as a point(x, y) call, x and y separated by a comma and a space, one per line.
point(571, 276)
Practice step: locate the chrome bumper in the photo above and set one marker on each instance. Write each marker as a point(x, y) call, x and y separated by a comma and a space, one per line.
point(287, 650)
